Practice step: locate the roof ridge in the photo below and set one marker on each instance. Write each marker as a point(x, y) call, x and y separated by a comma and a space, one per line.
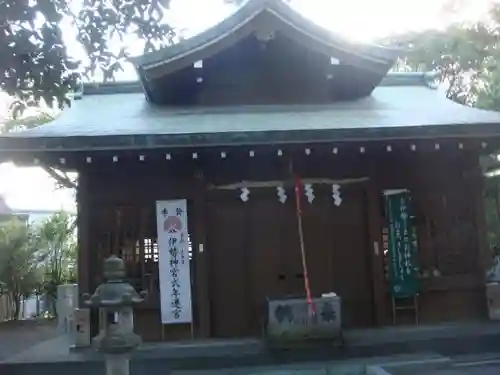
point(135, 87)
point(425, 79)
point(106, 88)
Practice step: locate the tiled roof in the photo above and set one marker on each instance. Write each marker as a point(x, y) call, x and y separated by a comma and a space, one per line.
point(124, 121)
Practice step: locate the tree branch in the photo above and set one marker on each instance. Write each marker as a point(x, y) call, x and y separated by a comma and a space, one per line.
point(60, 177)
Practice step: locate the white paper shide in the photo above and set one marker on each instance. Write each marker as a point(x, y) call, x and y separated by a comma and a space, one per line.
point(173, 251)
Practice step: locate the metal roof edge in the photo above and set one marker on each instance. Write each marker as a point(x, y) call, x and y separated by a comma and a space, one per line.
point(409, 79)
point(132, 87)
point(83, 144)
point(127, 87)
point(41, 212)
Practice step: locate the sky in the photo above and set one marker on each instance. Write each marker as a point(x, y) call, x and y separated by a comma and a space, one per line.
point(359, 20)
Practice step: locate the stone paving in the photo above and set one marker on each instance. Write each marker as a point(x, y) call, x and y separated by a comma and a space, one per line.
point(17, 337)
point(473, 370)
point(296, 369)
point(38, 350)
point(477, 370)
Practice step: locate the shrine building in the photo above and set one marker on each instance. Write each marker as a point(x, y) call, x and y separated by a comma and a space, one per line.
point(233, 120)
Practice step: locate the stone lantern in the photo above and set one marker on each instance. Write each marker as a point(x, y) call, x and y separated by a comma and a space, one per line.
point(116, 297)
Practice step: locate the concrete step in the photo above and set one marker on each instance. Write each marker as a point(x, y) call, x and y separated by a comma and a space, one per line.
point(248, 356)
point(148, 366)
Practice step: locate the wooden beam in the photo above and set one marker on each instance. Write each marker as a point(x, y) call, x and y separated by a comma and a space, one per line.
point(484, 255)
point(376, 254)
point(267, 184)
point(82, 218)
point(201, 257)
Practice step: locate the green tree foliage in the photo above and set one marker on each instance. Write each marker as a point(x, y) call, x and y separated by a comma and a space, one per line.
point(103, 25)
point(20, 274)
point(489, 95)
point(58, 253)
point(466, 59)
point(37, 258)
point(25, 122)
point(464, 56)
point(35, 65)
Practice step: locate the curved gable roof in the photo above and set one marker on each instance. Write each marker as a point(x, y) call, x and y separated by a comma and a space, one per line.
point(270, 15)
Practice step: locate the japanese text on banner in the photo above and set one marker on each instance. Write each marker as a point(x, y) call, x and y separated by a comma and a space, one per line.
point(173, 247)
point(402, 247)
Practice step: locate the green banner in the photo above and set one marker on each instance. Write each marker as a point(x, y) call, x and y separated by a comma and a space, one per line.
point(402, 245)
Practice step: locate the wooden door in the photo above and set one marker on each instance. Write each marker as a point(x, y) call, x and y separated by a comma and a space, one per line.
point(270, 224)
point(338, 251)
point(249, 245)
point(254, 254)
point(225, 248)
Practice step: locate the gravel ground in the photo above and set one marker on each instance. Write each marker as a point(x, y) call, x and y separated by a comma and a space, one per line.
point(16, 337)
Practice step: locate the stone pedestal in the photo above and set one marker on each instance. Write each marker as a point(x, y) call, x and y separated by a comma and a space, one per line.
point(291, 319)
point(114, 300)
point(117, 364)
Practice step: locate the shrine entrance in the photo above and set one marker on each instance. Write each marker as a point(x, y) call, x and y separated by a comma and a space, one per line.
point(254, 254)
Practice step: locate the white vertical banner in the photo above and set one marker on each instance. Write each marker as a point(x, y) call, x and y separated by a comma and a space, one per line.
point(173, 264)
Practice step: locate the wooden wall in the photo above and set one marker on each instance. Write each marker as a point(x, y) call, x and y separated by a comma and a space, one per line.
point(116, 215)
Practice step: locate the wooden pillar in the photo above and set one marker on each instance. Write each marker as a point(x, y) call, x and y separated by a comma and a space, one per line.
point(83, 257)
point(87, 257)
point(201, 256)
point(484, 255)
point(376, 249)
